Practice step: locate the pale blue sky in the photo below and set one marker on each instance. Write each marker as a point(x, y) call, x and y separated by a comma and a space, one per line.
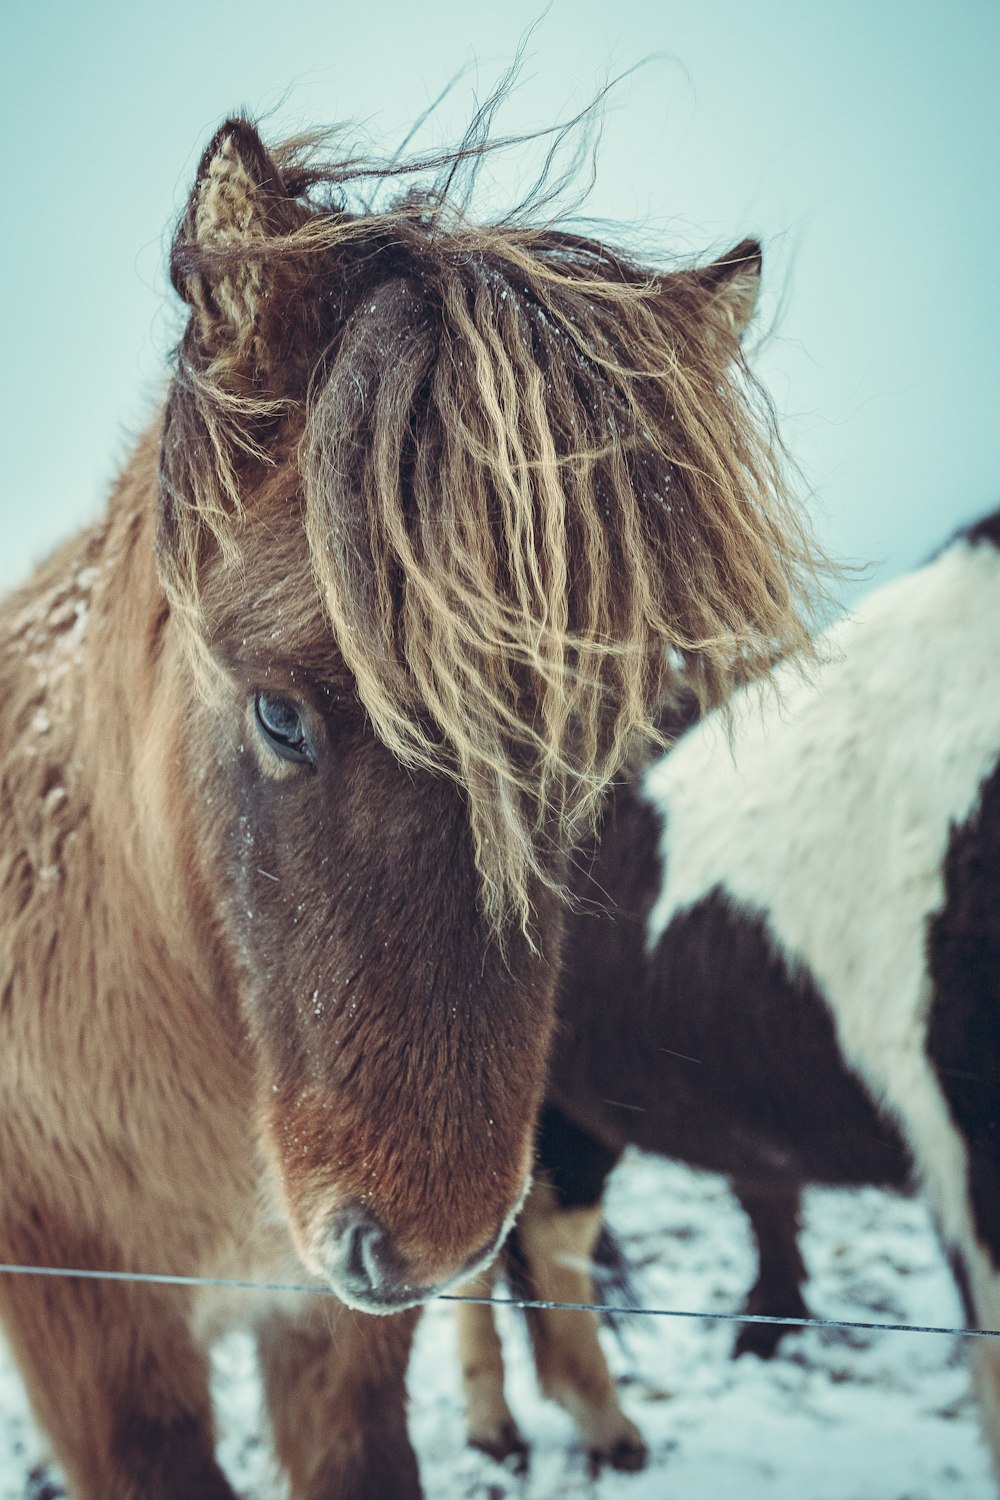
point(859, 139)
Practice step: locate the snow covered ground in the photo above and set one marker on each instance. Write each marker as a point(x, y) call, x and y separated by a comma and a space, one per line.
point(838, 1415)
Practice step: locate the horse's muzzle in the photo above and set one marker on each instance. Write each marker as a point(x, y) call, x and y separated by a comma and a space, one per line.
point(367, 1272)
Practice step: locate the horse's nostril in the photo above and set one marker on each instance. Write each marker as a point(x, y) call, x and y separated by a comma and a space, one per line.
point(365, 1253)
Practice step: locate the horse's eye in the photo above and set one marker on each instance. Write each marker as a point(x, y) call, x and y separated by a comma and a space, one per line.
point(281, 724)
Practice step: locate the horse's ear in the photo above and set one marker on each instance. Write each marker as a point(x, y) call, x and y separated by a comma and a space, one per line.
point(730, 286)
point(219, 262)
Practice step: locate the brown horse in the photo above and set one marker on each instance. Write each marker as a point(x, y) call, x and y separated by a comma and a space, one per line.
point(297, 742)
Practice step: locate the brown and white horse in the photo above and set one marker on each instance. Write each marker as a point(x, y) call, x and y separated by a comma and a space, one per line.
point(296, 743)
point(786, 968)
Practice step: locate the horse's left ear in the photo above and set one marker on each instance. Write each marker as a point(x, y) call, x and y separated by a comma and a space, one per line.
point(219, 261)
point(730, 286)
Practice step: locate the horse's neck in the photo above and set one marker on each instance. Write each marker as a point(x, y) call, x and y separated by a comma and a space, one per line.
point(90, 704)
point(101, 952)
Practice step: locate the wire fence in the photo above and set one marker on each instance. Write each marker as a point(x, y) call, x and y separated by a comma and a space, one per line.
point(616, 1310)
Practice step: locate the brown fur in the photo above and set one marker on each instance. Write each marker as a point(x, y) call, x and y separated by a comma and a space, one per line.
point(556, 1248)
point(490, 1425)
point(412, 480)
point(357, 1402)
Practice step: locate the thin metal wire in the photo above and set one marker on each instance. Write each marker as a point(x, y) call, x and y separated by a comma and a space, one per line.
point(156, 1279)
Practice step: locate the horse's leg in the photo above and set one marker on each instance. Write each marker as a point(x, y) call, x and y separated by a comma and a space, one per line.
point(974, 1264)
point(972, 1244)
point(490, 1425)
point(773, 1211)
point(335, 1382)
point(120, 1386)
point(983, 1311)
point(556, 1246)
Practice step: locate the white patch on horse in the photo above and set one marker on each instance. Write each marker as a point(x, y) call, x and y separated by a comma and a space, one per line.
point(846, 868)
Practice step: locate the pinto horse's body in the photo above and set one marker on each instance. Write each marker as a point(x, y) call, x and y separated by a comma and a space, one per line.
point(296, 745)
point(787, 970)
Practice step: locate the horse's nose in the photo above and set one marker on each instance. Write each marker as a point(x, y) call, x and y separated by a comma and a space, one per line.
point(363, 1262)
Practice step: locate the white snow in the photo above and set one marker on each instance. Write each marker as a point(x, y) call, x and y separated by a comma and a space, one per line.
point(838, 1415)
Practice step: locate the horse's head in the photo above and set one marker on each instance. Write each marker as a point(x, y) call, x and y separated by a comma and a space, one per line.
point(442, 509)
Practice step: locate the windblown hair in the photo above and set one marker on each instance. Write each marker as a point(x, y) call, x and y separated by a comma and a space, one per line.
point(538, 480)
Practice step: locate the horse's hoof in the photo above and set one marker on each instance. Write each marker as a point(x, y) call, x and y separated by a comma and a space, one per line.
point(507, 1447)
point(628, 1455)
point(42, 1486)
point(761, 1339)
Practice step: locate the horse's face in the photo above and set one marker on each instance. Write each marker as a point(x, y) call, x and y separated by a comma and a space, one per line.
point(400, 1052)
point(401, 1036)
point(415, 506)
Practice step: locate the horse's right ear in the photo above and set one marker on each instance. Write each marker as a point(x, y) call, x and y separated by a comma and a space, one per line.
point(730, 287)
point(219, 261)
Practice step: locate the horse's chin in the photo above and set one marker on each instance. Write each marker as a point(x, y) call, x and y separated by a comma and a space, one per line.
point(365, 1300)
point(384, 1305)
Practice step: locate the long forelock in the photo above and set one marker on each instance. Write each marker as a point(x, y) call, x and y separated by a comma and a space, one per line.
point(531, 489)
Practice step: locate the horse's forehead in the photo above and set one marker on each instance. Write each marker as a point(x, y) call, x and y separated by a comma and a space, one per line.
point(261, 602)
